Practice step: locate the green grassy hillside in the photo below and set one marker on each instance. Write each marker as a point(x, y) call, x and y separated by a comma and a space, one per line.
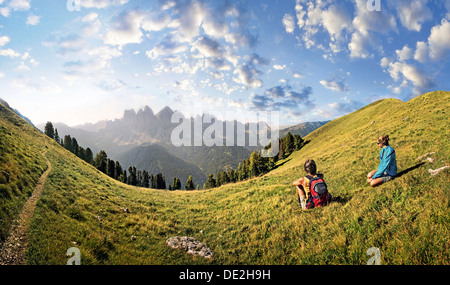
point(21, 165)
point(258, 221)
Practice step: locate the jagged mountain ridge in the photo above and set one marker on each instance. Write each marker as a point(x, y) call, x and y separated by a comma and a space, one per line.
point(144, 128)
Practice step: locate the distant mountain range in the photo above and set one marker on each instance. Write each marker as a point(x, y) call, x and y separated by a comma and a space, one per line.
point(143, 139)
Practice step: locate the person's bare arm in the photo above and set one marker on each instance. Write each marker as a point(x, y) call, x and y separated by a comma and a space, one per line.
point(298, 182)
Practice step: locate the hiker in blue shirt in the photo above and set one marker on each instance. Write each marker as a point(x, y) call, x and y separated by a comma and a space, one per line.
point(387, 170)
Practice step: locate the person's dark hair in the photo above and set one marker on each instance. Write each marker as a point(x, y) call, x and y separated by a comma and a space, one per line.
point(384, 140)
point(310, 167)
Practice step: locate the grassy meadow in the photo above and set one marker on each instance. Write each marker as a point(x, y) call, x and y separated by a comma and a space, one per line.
point(257, 221)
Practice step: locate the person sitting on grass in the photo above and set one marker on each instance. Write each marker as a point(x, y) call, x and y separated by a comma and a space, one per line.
point(387, 170)
point(312, 190)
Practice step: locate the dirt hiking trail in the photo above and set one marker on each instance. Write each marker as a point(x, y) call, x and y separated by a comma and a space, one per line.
point(13, 251)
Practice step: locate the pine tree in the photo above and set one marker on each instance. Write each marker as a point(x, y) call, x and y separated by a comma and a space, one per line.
point(232, 175)
point(57, 138)
point(298, 142)
point(152, 181)
point(81, 153)
point(289, 138)
point(225, 177)
point(139, 179)
point(211, 182)
point(89, 156)
point(49, 131)
point(146, 179)
point(101, 161)
point(160, 181)
point(110, 168)
point(174, 184)
point(124, 177)
point(118, 171)
point(75, 146)
point(219, 181)
point(253, 165)
point(68, 143)
point(190, 184)
point(132, 177)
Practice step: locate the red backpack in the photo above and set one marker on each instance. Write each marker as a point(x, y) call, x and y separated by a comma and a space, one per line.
point(319, 192)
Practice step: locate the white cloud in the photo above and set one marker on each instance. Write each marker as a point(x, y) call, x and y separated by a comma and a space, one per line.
point(22, 67)
point(126, 28)
point(191, 17)
point(413, 13)
point(385, 62)
point(72, 43)
point(4, 40)
point(335, 19)
point(289, 24)
point(345, 107)
point(207, 47)
point(335, 85)
point(401, 71)
point(92, 25)
point(20, 5)
point(9, 52)
point(101, 4)
point(439, 40)
point(156, 23)
point(421, 53)
point(279, 67)
point(367, 24)
point(405, 53)
point(359, 45)
point(167, 47)
point(33, 20)
point(246, 75)
point(298, 75)
point(90, 17)
point(4, 11)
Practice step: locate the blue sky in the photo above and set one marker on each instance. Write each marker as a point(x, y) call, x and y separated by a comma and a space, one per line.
point(89, 60)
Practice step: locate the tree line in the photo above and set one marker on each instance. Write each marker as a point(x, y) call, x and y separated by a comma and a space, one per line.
point(254, 166)
point(113, 169)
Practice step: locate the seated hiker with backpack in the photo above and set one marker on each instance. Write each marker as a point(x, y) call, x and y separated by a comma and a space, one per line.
point(387, 170)
point(312, 190)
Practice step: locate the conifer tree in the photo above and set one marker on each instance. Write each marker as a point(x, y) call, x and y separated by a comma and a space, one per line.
point(132, 176)
point(152, 181)
point(49, 131)
point(118, 171)
point(101, 161)
point(110, 168)
point(174, 184)
point(211, 182)
point(89, 156)
point(190, 184)
point(124, 177)
point(75, 146)
point(253, 164)
point(160, 181)
point(81, 153)
point(56, 137)
point(68, 143)
point(146, 179)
